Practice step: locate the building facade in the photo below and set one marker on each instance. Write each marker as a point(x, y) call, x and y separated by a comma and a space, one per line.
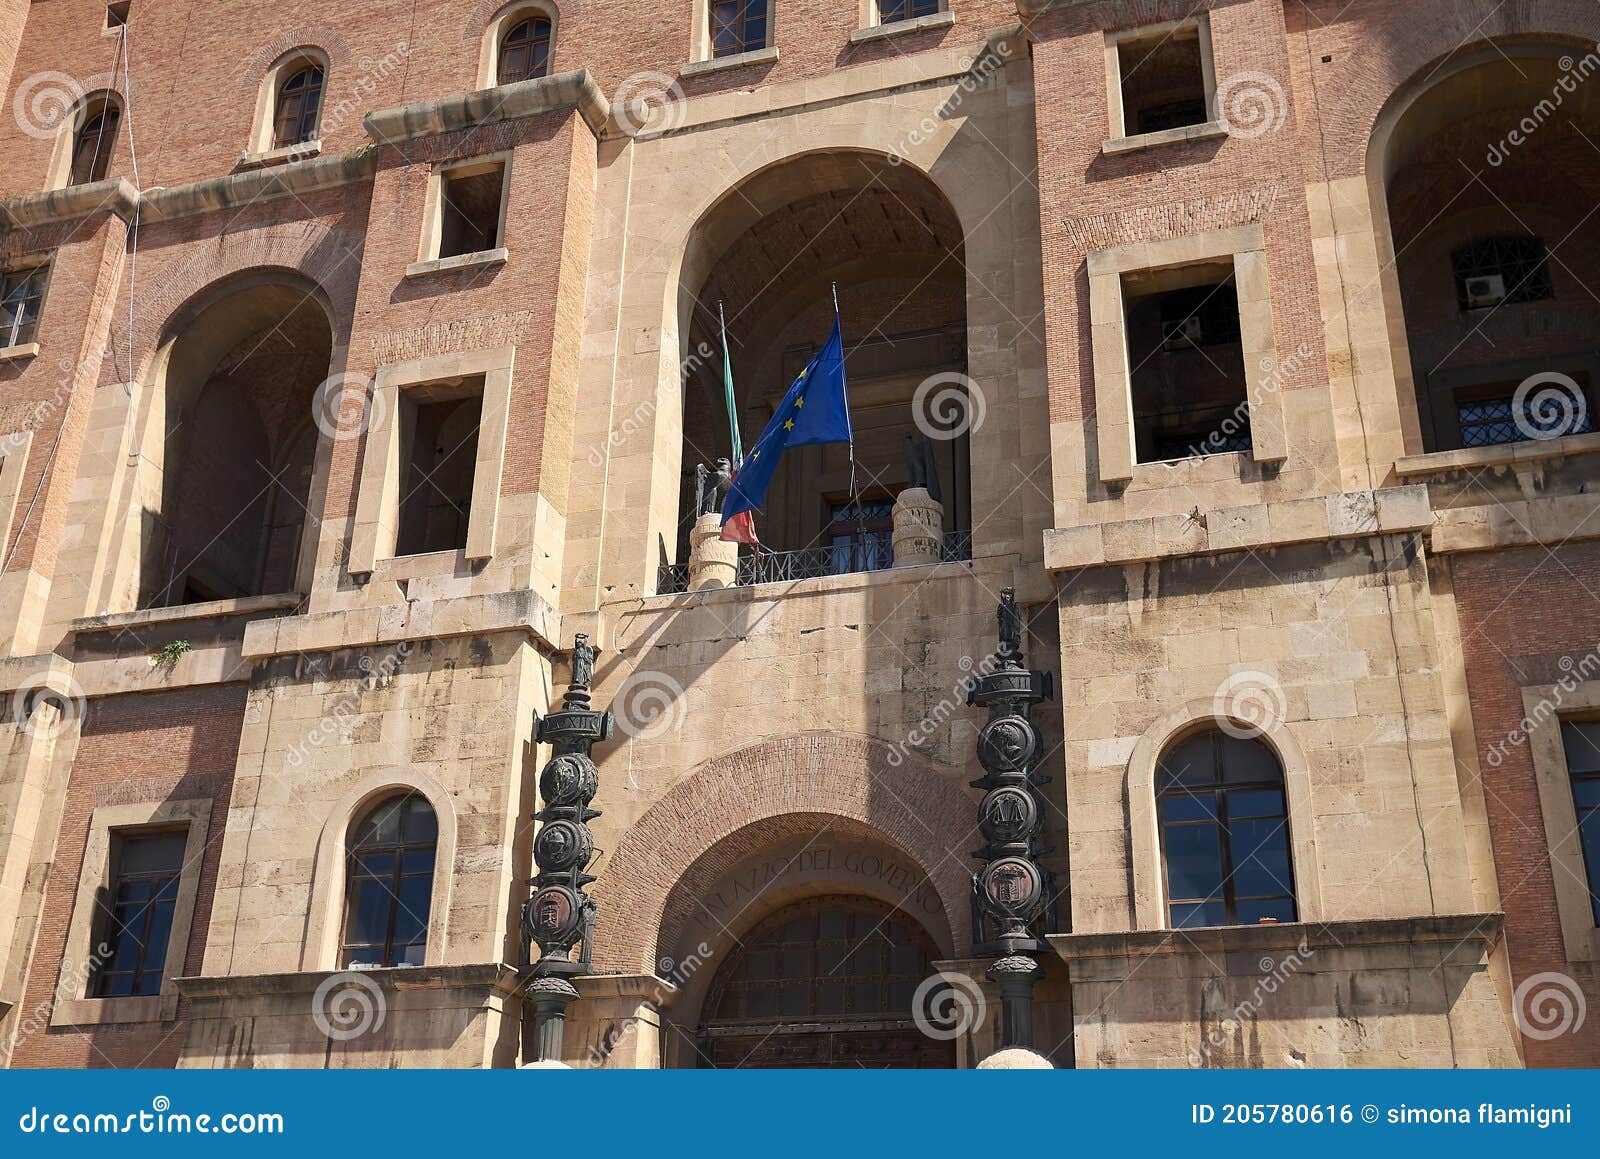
point(360, 358)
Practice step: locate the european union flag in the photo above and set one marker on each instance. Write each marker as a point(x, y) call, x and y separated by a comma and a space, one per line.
point(814, 410)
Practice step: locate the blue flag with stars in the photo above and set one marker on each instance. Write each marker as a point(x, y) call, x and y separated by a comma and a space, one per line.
point(814, 410)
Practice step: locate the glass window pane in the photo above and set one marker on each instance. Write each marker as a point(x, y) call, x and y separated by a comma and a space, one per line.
point(376, 865)
point(160, 854)
point(369, 914)
point(118, 986)
point(1189, 807)
point(157, 935)
point(1194, 861)
point(415, 954)
point(1265, 803)
point(1586, 793)
point(1589, 834)
point(421, 826)
point(1189, 762)
point(1251, 912)
point(1197, 914)
point(416, 898)
point(1260, 858)
point(1248, 760)
point(417, 861)
point(1581, 738)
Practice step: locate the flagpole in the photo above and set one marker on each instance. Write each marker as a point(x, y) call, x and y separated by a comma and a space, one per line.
point(855, 490)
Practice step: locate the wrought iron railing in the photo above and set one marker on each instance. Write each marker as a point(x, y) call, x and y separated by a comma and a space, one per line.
point(768, 567)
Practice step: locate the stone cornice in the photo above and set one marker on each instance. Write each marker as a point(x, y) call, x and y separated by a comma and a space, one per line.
point(564, 90)
point(1257, 526)
point(115, 195)
point(296, 178)
point(489, 976)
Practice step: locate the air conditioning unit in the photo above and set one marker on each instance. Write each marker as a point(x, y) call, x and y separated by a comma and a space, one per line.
point(1183, 333)
point(1485, 291)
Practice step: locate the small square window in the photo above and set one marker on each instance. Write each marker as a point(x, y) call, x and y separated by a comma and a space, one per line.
point(439, 455)
point(471, 201)
point(117, 14)
point(1163, 80)
point(738, 26)
point(21, 298)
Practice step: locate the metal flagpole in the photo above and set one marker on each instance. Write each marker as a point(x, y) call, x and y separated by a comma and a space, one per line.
point(855, 490)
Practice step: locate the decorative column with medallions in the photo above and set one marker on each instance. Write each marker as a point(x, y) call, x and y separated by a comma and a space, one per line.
point(1012, 894)
point(560, 915)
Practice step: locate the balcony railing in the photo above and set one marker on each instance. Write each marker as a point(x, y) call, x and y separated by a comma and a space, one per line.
point(769, 567)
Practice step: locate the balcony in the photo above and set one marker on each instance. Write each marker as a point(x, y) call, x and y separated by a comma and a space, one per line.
point(768, 567)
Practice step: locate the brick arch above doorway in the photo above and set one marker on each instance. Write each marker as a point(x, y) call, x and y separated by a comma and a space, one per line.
point(912, 806)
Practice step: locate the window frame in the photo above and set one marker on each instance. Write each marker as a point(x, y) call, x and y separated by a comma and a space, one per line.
point(502, 23)
point(304, 135)
point(13, 338)
point(1219, 787)
point(398, 849)
point(1118, 138)
point(59, 174)
point(110, 917)
point(74, 1005)
point(262, 147)
point(548, 38)
point(1545, 709)
point(433, 212)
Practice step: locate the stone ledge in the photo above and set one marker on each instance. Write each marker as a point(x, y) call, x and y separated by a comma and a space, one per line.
point(115, 195)
point(564, 90)
point(768, 55)
point(289, 178)
point(494, 257)
point(248, 605)
point(1258, 525)
point(303, 151)
point(110, 1011)
point(850, 581)
point(17, 353)
point(1470, 935)
point(945, 19)
point(1208, 131)
point(1552, 519)
point(495, 976)
point(1505, 454)
point(517, 611)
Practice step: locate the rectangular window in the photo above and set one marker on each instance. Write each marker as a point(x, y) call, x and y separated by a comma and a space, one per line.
point(1501, 271)
point(21, 298)
point(439, 455)
point(738, 26)
point(1492, 415)
point(117, 14)
point(891, 11)
point(134, 917)
point(1162, 75)
point(471, 200)
point(1186, 363)
point(860, 536)
point(1581, 740)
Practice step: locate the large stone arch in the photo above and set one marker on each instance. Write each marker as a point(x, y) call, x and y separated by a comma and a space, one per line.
point(944, 134)
point(691, 831)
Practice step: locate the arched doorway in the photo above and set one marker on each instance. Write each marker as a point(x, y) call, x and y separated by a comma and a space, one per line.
point(1492, 255)
point(825, 982)
point(231, 444)
point(767, 258)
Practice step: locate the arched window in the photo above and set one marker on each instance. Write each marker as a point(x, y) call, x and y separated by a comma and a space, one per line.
point(389, 884)
point(738, 26)
point(93, 144)
point(524, 51)
point(294, 117)
point(1224, 832)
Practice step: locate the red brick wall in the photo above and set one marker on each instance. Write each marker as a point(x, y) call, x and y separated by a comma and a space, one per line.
point(1511, 640)
point(144, 747)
